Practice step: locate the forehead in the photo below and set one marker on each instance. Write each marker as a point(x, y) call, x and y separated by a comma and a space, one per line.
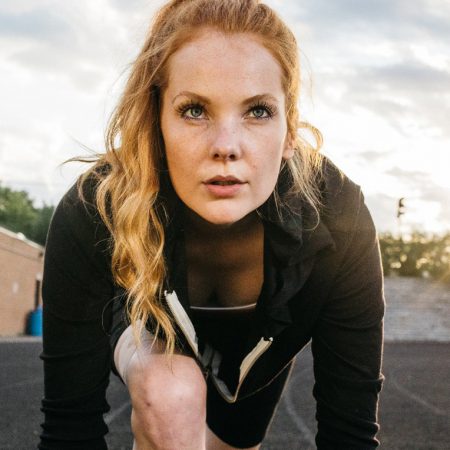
point(214, 60)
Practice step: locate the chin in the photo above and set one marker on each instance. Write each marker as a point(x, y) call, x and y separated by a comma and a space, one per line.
point(222, 220)
point(222, 217)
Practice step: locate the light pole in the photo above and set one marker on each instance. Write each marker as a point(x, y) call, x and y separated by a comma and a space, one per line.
point(400, 212)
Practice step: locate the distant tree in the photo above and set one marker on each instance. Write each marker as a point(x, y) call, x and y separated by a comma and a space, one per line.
point(16, 211)
point(419, 255)
point(18, 214)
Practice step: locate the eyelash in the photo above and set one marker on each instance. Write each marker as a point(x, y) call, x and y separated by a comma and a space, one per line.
point(271, 110)
point(183, 108)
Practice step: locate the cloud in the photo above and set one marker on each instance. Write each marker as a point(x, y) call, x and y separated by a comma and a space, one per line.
point(370, 156)
point(76, 42)
point(409, 75)
point(405, 93)
point(381, 18)
point(134, 6)
point(381, 55)
point(38, 25)
point(381, 73)
point(83, 74)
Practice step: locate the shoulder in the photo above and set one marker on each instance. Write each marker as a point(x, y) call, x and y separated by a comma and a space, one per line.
point(344, 213)
point(80, 199)
point(343, 207)
point(76, 220)
point(77, 279)
point(340, 195)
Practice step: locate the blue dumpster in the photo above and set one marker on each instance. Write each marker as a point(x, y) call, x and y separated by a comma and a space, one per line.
point(35, 322)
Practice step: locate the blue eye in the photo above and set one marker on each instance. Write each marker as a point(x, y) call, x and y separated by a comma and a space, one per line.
point(262, 111)
point(191, 111)
point(196, 111)
point(259, 112)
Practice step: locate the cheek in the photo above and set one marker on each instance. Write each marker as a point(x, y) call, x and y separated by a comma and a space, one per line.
point(174, 150)
point(269, 155)
point(267, 171)
point(178, 167)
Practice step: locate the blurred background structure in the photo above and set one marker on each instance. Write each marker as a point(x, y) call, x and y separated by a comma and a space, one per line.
point(21, 261)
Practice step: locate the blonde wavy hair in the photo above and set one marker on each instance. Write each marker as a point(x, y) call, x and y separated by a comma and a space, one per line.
point(128, 193)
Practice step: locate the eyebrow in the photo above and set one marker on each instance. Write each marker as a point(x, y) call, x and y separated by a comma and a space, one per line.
point(207, 101)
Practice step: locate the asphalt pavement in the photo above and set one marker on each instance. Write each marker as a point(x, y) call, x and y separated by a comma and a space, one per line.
point(414, 410)
point(414, 406)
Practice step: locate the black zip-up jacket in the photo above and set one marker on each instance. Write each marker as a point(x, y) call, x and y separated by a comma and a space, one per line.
point(322, 283)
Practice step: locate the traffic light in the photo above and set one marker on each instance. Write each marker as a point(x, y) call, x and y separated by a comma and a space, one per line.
point(401, 207)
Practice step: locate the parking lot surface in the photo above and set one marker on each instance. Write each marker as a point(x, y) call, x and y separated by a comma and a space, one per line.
point(414, 405)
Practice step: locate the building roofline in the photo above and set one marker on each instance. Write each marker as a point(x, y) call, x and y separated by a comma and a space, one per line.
point(21, 237)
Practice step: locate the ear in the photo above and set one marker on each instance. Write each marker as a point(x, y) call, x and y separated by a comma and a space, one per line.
point(288, 150)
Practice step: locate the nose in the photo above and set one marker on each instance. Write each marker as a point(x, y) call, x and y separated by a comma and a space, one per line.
point(225, 143)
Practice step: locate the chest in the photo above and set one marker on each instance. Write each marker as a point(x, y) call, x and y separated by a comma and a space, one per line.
point(225, 273)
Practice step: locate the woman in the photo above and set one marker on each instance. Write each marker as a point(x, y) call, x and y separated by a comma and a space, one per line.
point(206, 248)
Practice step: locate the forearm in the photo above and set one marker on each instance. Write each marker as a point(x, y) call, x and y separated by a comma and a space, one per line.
point(347, 392)
point(347, 345)
point(76, 373)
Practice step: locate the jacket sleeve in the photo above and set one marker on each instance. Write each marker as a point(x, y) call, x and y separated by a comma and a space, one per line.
point(76, 353)
point(347, 342)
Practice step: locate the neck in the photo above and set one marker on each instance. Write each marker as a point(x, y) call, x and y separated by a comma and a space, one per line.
point(201, 227)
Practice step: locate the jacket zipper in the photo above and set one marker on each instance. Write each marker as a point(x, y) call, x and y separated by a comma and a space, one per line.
point(184, 322)
point(245, 367)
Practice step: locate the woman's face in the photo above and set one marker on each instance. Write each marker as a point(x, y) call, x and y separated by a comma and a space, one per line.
point(224, 125)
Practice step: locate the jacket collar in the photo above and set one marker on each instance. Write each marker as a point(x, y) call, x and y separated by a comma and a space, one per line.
point(294, 231)
point(293, 238)
point(290, 255)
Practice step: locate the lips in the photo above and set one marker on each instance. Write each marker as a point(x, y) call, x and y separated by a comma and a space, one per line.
point(224, 186)
point(224, 181)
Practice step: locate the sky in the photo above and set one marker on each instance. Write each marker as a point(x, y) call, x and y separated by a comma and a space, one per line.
point(375, 81)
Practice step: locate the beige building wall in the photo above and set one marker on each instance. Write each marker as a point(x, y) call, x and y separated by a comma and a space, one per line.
point(21, 264)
